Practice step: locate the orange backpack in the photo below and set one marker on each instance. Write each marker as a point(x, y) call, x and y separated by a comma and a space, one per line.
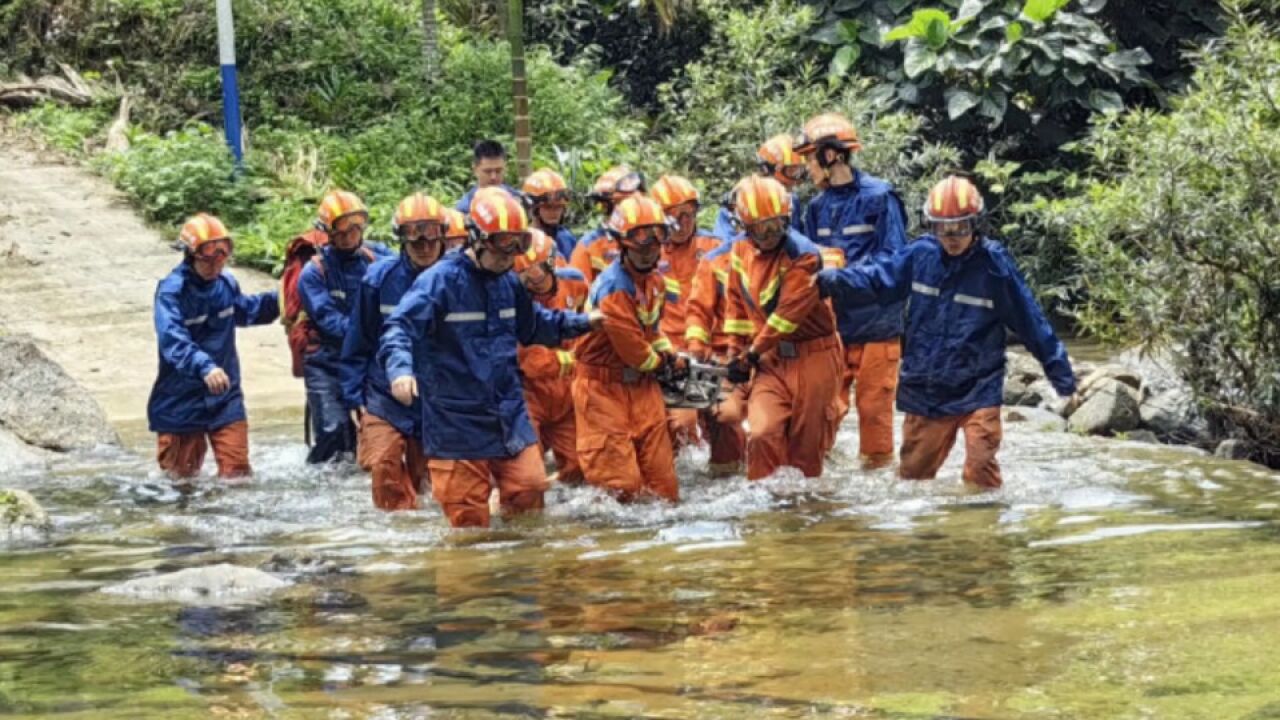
point(302, 249)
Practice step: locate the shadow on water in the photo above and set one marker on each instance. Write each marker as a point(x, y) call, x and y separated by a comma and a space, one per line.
point(1107, 579)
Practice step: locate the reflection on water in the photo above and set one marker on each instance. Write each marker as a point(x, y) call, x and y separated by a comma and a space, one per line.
point(1107, 580)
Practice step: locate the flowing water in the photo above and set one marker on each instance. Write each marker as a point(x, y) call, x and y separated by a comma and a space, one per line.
point(1107, 580)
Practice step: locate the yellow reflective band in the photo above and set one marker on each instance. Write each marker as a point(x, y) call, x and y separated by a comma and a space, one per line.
point(962, 194)
point(651, 363)
point(502, 215)
point(663, 345)
point(751, 205)
point(722, 276)
point(566, 359)
point(937, 202)
point(666, 196)
point(736, 262)
point(695, 332)
point(781, 324)
point(631, 213)
point(776, 202)
point(771, 289)
point(335, 207)
point(598, 262)
point(433, 206)
point(739, 327)
point(649, 317)
point(673, 285)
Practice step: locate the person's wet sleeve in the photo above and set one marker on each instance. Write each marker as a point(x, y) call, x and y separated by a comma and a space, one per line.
point(413, 318)
point(536, 325)
point(259, 309)
point(359, 345)
point(320, 306)
point(885, 280)
point(1022, 314)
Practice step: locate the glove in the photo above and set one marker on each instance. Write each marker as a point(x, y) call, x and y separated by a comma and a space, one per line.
point(741, 366)
point(673, 369)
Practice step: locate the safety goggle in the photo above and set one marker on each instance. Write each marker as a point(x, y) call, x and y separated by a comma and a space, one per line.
point(510, 243)
point(628, 184)
point(793, 172)
point(421, 230)
point(350, 223)
point(767, 228)
point(216, 249)
point(952, 228)
point(685, 212)
point(559, 197)
point(645, 237)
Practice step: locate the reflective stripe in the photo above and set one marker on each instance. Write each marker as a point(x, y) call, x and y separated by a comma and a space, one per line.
point(650, 363)
point(781, 324)
point(858, 229)
point(722, 276)
point(464, 317)
point(567, 360)
point(739, 327)
point(506, 313)
point(386, 309)
point(673, 286)
point(195, 320)
point(598, 263)
point(975, 301)
point(924, 289)
point(227, 312)
point(824, 232)
point(695, 332)
point(663, 345)
point(340, 294)
point(771, 289)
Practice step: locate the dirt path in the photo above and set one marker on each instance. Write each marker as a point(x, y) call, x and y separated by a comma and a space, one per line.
point(78, 270)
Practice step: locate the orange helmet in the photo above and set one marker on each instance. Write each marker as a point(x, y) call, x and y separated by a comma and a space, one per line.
point(495, 212)
point(673, 190)
point(636, 213)
point(339, 204)
point(616, 183)
point(954, 198)
point(828, 130)
point(777, 158)
point(201, 229)
point(759, 198)
point(545, 185)
point(455, 229)
point(417, 208)
point(542, 251)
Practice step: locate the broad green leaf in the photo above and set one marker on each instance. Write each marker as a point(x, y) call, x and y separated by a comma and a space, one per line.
point(844, 60)
point(960, 102)
point(1039, 11)
point(937, 32)
point(1013, 32)
point(917, 59)
point(922, 26)
point(1106, 101)
point(969, 9)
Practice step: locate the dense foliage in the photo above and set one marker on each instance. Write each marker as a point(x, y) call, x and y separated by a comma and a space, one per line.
point(1175, 232)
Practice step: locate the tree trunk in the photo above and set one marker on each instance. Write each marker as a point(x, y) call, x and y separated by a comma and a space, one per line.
point(519, 88)
point(430, 42)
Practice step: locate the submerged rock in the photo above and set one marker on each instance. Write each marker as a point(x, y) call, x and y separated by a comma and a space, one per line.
point(1025, 383)
point(1112, 408)
point(1232, 449)
point(42, 405)
point(1143, 436)
point(20, 514)
point(1035, 418)
point(205, 585)
point(16, 454)
point(1172, 415)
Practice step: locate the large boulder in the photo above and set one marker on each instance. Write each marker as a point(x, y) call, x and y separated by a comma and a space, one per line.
point(20, 514)
point(1100, 377)
point(1036, 419)
point(1025, 383)
point(1232, 449)
point(16, 454)
point(1174, 417)
point(214, 584)
point(1112, 407)
point(42, 405)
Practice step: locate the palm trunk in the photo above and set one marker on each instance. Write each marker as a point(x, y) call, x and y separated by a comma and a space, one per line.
point(519, 88)
point(430, 42)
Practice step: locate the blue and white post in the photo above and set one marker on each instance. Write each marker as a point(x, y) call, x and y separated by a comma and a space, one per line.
point(230, 90)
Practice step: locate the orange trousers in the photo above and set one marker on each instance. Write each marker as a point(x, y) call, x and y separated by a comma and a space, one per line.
point(181, 455)
point(462, 487)
point(395, 461)
point(926, 442)
point(791, 409)
point(550, 402)
point(722, 427)
point(623, 441)
point(682, 423)
point(871, 373)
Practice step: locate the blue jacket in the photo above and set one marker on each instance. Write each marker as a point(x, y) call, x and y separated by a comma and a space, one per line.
point(959, 309)
point(327, 297)
point(364, 382)
point(466, 323)
point(865, 219)
point(196, 332)
point(725, 230)
point(464, 203)
point(565, 242)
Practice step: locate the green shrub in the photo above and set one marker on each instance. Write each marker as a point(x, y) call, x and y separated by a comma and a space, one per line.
point(64, 128)
point(1175, 232)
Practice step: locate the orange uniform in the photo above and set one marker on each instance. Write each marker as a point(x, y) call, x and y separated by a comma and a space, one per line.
point(548, 379)
point(679, 267)
point(623, 443)
point(774, 309)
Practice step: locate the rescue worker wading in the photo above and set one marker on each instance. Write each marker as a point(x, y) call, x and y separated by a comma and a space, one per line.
point(785, 333)
point(860, 216)
point(548, 372)
point(390, 434)
point(197, 392)
point(548, 199)
point(682, 256)
point(328, 286)
point(598, 248)
point(455, 334)
point(775, 158)
point(962, 292)
point(623, 442)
